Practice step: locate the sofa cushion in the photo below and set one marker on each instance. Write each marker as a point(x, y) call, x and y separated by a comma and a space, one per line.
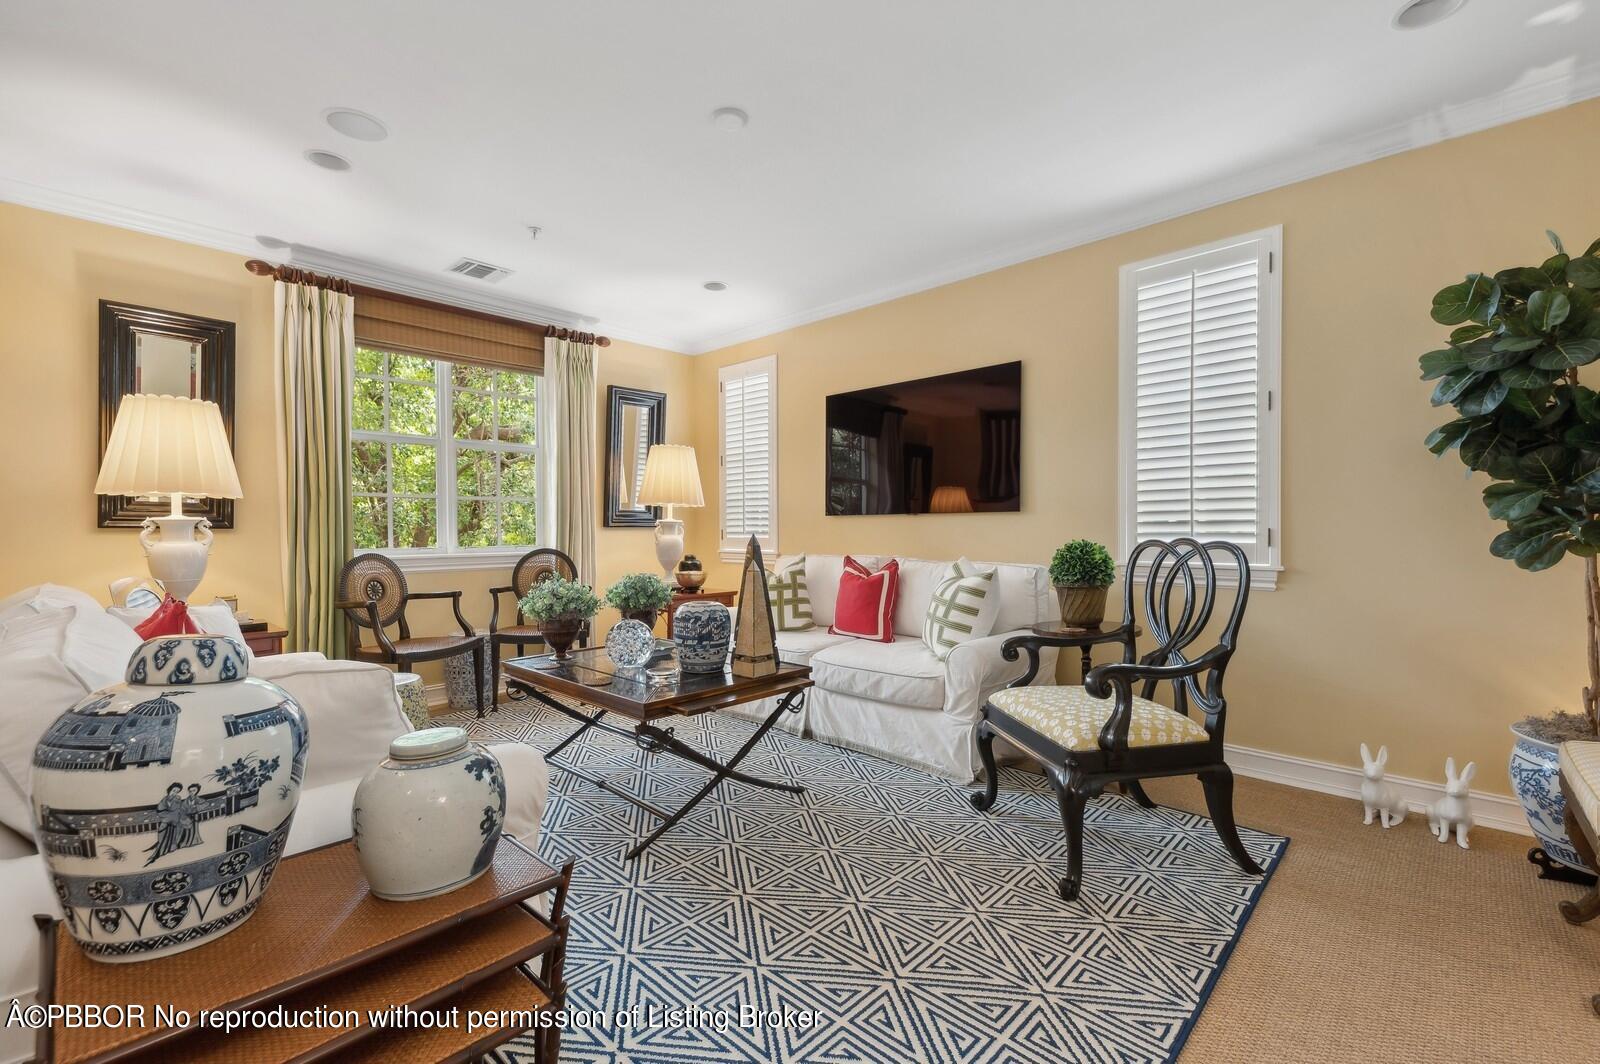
point(963, 608)
point(904, 672)
point(919, 579)
point(96, 648)
point(1580, 767)
point(1072, 718)
point(801, 646)
point(36, 687)
point(865, 609)
point(790, 598)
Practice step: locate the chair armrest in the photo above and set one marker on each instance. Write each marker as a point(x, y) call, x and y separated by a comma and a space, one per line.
point(455, 605)
point(1117, 680)
point(370, 608)
point(1032, 642)
point(494, 606)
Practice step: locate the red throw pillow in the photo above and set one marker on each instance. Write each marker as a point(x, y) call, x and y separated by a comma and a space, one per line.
point(865, 608)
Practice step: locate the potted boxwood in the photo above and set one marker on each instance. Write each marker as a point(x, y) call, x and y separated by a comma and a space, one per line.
point(1510, 370)
point(1081, 571)
point(639, 597)
point(560, 607)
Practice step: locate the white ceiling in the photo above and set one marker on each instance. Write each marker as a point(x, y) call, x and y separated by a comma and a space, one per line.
point(892, 145)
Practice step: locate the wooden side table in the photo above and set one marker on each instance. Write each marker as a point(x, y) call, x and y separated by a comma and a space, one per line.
point(263, 639)
point(320, 940)
point(680, 597)
point(1086, 639)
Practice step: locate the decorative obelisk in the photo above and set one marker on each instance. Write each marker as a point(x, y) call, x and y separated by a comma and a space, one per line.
point(754, 651)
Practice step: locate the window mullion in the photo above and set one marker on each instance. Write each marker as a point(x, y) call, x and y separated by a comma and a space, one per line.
point(444, 510)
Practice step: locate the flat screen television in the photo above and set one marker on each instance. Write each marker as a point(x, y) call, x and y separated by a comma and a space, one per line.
point(945, 444)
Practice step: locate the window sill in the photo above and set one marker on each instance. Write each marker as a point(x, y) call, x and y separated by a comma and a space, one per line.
point(442, 562)
point(1262, 577)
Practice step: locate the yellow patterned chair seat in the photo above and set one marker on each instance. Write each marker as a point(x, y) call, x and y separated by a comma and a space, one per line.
point(1072, 718)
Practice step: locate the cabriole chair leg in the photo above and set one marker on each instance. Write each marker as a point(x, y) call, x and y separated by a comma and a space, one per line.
point(984, 800)
point(1218, 784)
point(1072, 801)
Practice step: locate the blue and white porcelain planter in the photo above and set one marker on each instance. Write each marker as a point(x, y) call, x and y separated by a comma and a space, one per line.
point(702, 631)
point(1535, 780)
point(162, 805)
point(427, 820)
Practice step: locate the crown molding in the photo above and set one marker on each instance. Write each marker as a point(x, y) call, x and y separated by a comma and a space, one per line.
point(362, 271)
point(1442, 123)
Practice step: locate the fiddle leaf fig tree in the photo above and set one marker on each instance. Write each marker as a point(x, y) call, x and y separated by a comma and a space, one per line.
point(1510, 370)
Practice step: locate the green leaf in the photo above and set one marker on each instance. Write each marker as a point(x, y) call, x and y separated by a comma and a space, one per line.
point(1455, 304)
point(1483, 357)
point(1589, 483)
point(1586, 401)
point(1520, 281)
point(1555, 241)
point(1526, 376)
point(1545, 465)
point(1436, 364)
point(1450, 388)
point(1450, 434)
point(1513, 501)
point(1518, 343)
point(1547, 309)
point(1589, 532)
point(1483, 400)
point(1487, 446)
point(1584, 272)
point(1567, 354)
point(1555, 268)
point(1467, 333)
point(1538, 559)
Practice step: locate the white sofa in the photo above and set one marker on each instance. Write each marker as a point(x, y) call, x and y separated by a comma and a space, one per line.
point(45, 665)
point(896, 699)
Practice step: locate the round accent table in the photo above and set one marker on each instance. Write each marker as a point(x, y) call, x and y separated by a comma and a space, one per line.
point(413, 699)
point(1086, 639)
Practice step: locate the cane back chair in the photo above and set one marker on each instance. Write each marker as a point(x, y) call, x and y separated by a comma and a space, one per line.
point(1092, 736)
point(374, 596)
point(532, 567)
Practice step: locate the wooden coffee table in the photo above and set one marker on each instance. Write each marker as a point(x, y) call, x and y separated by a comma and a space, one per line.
point(589, 676)
point(320, 941)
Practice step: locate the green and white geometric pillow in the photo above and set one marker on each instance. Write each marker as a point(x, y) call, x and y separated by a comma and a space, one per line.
point(791, 602)
point(964, 607)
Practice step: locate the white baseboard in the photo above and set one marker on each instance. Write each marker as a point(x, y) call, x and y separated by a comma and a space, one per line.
point(1488, 810)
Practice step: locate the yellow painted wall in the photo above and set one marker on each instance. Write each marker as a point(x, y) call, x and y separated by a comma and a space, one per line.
point(53, 272)
point(1392, 623)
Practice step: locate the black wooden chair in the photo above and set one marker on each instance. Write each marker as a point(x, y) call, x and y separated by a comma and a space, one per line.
point(1098, 734)
point(373, 595)
point(532, 567)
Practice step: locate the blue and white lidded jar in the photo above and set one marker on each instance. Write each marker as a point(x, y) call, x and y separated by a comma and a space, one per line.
point(427, 820)
point(702, 631)
point(162, 804)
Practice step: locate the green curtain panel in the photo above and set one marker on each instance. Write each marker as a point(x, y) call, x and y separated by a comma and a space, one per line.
point(314, 344)
point(569, 383)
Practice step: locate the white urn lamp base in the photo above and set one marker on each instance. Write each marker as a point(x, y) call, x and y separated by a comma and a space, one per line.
point(669, 543)
point(176, 548)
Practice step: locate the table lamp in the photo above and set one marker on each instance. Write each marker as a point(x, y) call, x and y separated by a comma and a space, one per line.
point(950, 499)
point(671, 478)
point(167, 445)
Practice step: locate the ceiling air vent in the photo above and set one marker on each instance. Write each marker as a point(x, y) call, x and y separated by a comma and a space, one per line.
point(478, 271)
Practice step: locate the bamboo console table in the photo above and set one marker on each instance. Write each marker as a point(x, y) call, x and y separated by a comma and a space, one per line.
point(320, 940)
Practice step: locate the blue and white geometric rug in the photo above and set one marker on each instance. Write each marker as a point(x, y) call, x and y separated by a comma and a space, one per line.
point(908, 926)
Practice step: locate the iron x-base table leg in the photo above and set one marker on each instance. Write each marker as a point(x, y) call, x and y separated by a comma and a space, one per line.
point(652, 739)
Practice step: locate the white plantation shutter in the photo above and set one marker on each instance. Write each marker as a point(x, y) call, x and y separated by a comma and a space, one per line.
point(749, 454)
point(1199, 420)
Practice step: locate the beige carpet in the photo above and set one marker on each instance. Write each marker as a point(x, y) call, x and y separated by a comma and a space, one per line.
point(1380, 946)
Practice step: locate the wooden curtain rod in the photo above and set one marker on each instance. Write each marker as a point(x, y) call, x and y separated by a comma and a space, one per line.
point(294, 275)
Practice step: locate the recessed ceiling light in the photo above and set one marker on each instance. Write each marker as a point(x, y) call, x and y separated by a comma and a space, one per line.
point(729, 119)
point(1420, 13)
point(327, 160)
point(357, 124)
point(714, 286)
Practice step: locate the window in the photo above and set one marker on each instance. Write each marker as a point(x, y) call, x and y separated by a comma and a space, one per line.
point(1199, 403)
point(847, 472)
point(443, 456)
point(749, 460)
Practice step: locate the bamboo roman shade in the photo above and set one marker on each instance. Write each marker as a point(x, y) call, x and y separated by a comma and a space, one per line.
point(446, 333)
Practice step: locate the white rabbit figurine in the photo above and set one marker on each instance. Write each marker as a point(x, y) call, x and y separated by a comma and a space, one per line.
point(1453, 811)
point(1376, 795)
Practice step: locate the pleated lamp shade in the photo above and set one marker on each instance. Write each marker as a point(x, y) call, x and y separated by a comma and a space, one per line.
point(671, 477)
point(950, 499)
point(169, 445)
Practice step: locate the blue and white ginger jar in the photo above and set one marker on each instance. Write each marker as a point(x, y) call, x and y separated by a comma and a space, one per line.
point(702, 631)
point(162, 805)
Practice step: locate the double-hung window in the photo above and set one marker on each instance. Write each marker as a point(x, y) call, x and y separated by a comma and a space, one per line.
point(747, 423)
point(1199, 412)
point(444, 465)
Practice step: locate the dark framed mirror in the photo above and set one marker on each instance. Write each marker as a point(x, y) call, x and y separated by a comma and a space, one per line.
point(144, 350)
point(636, 420)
